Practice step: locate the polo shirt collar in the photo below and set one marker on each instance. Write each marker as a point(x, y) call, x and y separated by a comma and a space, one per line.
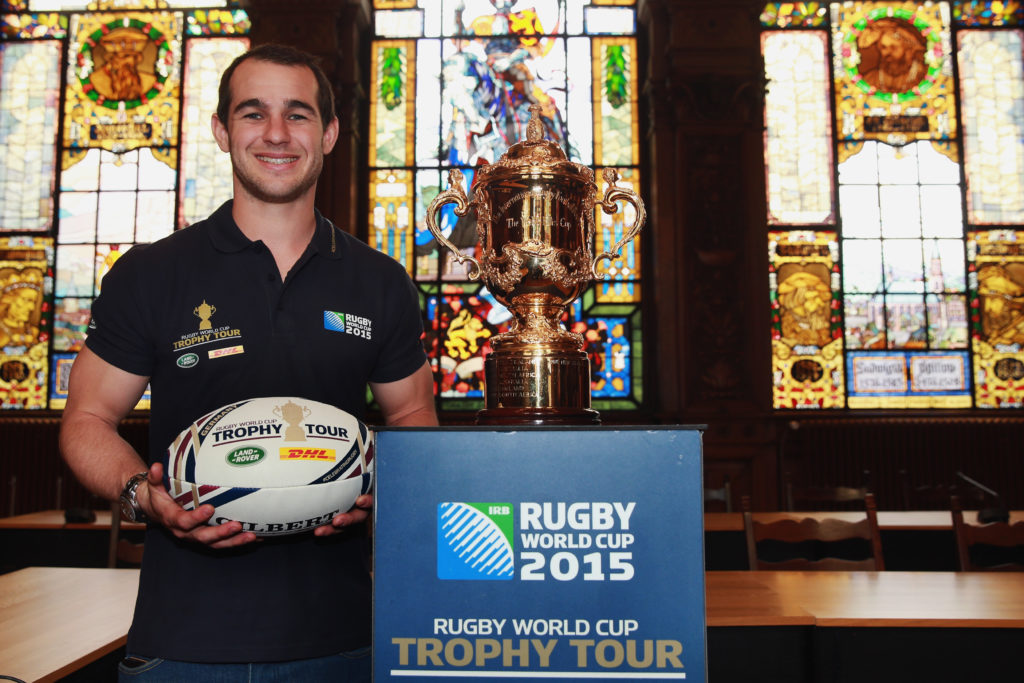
point(227, 237)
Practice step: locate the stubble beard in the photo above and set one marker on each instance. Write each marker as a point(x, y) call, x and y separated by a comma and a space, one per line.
point(265, 194)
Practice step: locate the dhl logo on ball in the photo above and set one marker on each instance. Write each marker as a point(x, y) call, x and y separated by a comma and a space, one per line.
point(321, 454)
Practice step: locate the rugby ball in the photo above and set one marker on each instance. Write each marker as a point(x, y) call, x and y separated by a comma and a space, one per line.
point(279, 465)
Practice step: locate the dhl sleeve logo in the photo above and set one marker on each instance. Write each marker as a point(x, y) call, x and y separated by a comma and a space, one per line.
point(324, 454)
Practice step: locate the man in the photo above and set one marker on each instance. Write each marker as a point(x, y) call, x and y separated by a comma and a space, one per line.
point(899, 55)
point(260, 277)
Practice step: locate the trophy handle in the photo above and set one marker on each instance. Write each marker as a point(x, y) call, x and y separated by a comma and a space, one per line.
point(454, 194)
point(609, 205)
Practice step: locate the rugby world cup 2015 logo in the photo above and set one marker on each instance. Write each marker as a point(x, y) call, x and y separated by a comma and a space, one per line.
point(474, 541)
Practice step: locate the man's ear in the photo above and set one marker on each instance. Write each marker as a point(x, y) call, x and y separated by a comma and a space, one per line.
point(220, 134)
point(330, 135)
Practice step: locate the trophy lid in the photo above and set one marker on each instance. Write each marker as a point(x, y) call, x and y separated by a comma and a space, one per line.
point(536, 154)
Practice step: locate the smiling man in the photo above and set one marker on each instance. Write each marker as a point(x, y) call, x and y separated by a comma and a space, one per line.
point(264, 298)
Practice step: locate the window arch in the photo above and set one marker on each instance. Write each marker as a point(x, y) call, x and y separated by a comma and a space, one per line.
point(894, 149)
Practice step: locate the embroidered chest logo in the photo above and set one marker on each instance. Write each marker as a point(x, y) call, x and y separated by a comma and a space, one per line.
point(347, 323)
point(207, 333)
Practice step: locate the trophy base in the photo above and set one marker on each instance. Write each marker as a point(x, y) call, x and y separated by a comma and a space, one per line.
point(527, 387)
point(538, 417)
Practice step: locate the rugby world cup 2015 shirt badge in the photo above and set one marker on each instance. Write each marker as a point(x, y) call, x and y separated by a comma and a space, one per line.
point(347, 323)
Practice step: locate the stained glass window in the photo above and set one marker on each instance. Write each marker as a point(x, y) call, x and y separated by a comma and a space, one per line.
point(450, 87)
point(121, 156)
point(895, 177)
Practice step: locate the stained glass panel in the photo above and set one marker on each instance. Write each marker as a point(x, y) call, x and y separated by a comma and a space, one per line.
point(451, 84)
point(893, 72)
point(996, 282)
point(798, 149)
point(205, 170)
point(807, 361)
point(29, 80)
point(992, 93)
point(26, 277)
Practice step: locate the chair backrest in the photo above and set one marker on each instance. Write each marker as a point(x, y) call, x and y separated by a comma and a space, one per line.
point(722, 494)
point(813, 543)
point(810, 497)
point(121, 552)
point(1004, 541)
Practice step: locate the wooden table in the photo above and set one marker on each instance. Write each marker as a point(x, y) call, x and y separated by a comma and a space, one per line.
point(55, 620)
point(54, 519)
point(866, 599)
point(888, 520)
point(842, 627)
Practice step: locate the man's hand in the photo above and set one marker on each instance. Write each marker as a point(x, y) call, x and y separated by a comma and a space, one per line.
point(188, 525)
point(359, 513)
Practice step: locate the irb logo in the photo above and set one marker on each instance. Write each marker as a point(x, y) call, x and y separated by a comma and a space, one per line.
point(320, 454)
point(475, 541)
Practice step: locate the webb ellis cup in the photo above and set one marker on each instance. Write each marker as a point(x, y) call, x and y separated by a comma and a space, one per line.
point(535, 220)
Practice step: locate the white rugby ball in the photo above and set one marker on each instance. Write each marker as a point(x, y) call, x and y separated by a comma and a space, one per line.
point(279, 465)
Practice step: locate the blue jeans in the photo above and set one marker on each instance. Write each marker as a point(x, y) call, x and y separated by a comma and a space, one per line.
point(351, 666)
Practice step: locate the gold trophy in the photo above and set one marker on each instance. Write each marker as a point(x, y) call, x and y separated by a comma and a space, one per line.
point(535, 221)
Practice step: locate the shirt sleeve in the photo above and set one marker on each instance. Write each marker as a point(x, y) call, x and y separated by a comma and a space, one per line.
point(118, 329)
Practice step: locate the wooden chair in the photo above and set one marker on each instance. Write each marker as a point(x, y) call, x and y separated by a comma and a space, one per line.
point(121, 552)
point(722, 494)
point(997, 546)
point(813, 544)
point(826, 497)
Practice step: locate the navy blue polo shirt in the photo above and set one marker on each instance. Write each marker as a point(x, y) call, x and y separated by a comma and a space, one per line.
point(205, 315)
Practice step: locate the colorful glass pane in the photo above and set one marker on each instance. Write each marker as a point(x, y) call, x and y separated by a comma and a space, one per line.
point(392, 111)
point(217, 22)
point(616, 120)
point(798, 133)
point(807, 361)
point(996, 287)
point(32, 26)
point(992, 96)
point(907, 379)
point(391, 215)
point(989, 13)
point(206, 178)
point(29, 78)
point(26, 277)
point(794, 14)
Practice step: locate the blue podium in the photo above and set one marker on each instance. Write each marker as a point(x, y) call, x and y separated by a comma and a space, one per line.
point(539, 553)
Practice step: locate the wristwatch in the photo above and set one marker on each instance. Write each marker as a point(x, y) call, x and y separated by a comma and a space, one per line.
point(130, 509)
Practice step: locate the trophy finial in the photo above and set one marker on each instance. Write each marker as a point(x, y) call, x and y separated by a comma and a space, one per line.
point(535, 127)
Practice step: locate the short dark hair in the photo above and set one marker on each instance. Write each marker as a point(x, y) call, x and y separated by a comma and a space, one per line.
point(285, 55)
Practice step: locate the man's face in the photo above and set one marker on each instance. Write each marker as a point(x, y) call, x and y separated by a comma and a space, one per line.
point(894, 54)
point(274, 133)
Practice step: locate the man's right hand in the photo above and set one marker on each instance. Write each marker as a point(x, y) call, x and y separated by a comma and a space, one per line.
point(191, 525)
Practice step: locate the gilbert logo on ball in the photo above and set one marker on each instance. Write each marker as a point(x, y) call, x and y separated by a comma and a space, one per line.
point(474, 541)
point(279, 465)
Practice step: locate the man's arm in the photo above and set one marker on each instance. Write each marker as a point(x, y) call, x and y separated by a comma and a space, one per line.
point(99, 397)
point(409, 402)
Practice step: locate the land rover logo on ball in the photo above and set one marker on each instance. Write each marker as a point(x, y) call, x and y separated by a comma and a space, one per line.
point(188, 360)
point(247, 455)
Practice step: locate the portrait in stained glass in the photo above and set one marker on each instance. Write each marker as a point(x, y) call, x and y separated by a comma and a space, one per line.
point(807, 362)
